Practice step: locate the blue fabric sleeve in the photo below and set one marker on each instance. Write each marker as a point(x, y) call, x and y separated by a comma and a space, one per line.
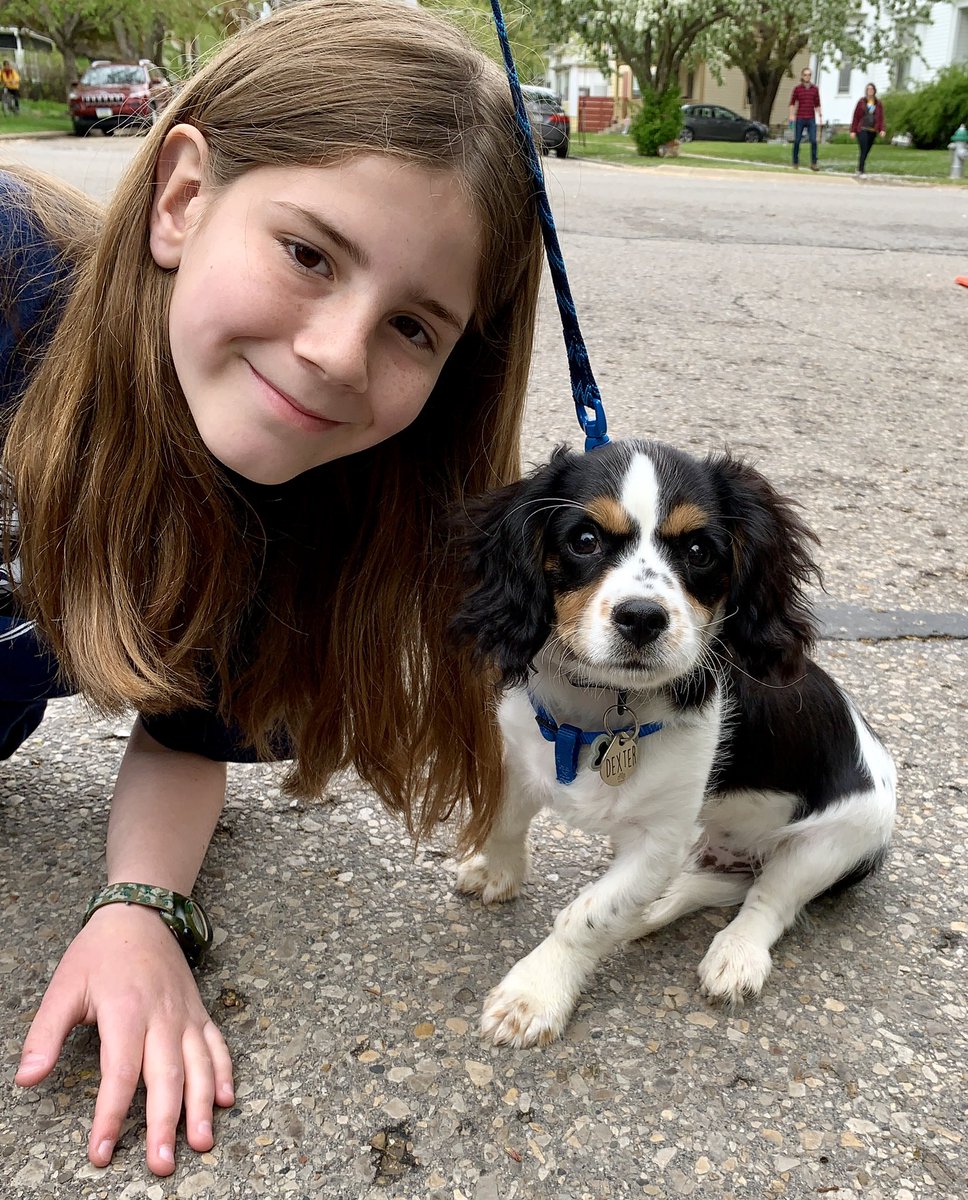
point(34, 284)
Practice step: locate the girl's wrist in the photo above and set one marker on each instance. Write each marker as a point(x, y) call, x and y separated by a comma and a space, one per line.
point(181, 914)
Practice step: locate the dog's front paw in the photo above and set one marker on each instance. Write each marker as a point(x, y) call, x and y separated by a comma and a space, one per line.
point(493, 881)
point(734, 968)
point(526, 1009)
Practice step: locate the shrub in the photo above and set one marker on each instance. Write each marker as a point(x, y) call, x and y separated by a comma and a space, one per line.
point(933, 112)
point(658, 120)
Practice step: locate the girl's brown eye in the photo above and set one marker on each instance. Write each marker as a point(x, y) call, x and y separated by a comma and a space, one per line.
point(412, 330)
point(308, 258)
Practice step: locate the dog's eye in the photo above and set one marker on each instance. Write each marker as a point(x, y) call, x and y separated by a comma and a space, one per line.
point(584, 541)
point(699, 552)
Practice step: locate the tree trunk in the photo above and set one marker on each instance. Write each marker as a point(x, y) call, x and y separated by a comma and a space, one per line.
point(70, 65)
point(157, 54)
point(126, 47)
point(764, 83)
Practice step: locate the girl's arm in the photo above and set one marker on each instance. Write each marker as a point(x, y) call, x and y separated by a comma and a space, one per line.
point(126, 973)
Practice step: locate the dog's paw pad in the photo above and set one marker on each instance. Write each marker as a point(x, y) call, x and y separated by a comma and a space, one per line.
point(734, 968)
point(513, 1017)
point(493, 882)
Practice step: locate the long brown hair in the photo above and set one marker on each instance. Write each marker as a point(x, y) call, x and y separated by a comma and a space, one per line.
point(144, 567)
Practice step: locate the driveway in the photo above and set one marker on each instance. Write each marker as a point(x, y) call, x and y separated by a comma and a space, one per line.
point(814, 326)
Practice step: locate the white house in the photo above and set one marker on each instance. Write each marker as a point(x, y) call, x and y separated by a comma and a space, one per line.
point(944, 42)
point(571, 73)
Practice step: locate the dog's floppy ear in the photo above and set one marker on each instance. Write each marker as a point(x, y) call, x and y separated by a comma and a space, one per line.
point(507, 608)
point(769, 626)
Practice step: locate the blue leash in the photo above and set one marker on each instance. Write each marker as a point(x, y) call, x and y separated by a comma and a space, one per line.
point(588, 399)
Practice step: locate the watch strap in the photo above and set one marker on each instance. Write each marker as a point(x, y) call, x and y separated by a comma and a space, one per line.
point(184, 916)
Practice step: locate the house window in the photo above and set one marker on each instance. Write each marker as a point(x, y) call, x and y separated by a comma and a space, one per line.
point(688, 91)
point(901, 72)
point(843, 79)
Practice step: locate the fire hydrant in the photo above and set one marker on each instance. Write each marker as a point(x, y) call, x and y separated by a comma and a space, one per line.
point(959, 151)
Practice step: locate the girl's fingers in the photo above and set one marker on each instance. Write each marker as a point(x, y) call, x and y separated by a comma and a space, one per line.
point(59, 1012)
point(122, 1047)
point(221, 1064)
point(199, 1090)
point(164, 1074)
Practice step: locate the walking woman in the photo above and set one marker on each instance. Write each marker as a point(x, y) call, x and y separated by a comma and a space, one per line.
point(868, 122)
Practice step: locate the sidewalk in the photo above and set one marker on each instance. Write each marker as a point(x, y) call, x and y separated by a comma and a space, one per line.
point(827, 345)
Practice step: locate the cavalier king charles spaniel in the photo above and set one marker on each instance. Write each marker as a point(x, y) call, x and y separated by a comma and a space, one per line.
point(646, 612)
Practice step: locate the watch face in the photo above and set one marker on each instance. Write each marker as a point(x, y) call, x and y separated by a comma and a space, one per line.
point(198, 923)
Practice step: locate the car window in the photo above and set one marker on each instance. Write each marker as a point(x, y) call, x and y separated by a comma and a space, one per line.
point(112, 75)
point(705, 112)
point(725, 114)
point(541, 100)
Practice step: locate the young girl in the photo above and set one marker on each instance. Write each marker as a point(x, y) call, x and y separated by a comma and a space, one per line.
point(300, 335)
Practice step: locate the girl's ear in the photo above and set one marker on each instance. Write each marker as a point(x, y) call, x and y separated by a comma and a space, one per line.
point(179, 171)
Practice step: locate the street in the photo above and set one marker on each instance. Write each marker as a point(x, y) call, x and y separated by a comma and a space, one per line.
point(811, 324)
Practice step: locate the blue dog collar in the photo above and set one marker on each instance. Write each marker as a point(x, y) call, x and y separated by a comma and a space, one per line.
point(569, 739)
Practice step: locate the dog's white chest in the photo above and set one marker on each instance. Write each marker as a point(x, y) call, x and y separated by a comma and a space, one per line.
point(616, 782)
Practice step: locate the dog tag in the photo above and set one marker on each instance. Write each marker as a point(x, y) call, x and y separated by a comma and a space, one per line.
point(619, 760)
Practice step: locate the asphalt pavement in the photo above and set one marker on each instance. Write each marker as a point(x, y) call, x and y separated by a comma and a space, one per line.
point(812, 324)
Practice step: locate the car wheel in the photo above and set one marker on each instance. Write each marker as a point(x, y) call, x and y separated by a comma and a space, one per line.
point(562, 150)
point(752, 135)
point(686, 135)
point(108, 130)
point(80, 128)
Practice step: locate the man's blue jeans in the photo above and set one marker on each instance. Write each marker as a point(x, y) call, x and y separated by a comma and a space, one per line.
point(799, 128)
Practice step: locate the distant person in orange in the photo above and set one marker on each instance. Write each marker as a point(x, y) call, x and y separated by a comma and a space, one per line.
point(867, 123)
point(805, 114)
point(10, 80)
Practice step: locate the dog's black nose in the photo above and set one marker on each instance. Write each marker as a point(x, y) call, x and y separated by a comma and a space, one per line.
point(640, 621)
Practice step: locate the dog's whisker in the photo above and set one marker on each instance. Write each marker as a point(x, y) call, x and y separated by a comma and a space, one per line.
point(733, 665)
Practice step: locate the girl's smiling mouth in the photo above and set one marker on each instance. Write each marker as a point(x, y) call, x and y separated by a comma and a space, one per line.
point(291, 410)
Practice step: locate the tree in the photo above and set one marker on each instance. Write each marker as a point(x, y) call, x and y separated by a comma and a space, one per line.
point(656, 38)
point(72, 25)
point(476, 18)
point(763, 39)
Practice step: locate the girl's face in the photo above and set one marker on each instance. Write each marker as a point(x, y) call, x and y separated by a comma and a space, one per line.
point(314, 307)
point(869, 92)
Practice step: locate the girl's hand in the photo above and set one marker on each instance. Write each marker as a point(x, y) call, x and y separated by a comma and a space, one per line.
point(125, 973)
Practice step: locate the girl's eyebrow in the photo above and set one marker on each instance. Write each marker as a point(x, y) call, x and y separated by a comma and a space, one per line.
point(350, 248)
point(355, 252)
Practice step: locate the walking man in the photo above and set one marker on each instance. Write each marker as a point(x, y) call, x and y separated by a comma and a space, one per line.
point(805, 114)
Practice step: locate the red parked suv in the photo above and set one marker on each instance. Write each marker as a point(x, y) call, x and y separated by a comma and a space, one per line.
point(111, 94)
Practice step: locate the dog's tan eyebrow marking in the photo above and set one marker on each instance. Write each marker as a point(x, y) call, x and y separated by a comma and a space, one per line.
point(683, 519)
point(610, 515)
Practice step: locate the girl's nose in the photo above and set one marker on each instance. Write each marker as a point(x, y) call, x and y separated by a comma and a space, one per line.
point(337, 343)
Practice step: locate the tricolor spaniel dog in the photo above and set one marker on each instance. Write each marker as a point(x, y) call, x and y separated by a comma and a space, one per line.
point(646, 612)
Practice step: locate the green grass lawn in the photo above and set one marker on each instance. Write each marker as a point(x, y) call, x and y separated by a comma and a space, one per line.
point(37, 116)
point(835, 157)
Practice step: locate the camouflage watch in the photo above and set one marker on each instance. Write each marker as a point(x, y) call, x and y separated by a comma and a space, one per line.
point(184, 916)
